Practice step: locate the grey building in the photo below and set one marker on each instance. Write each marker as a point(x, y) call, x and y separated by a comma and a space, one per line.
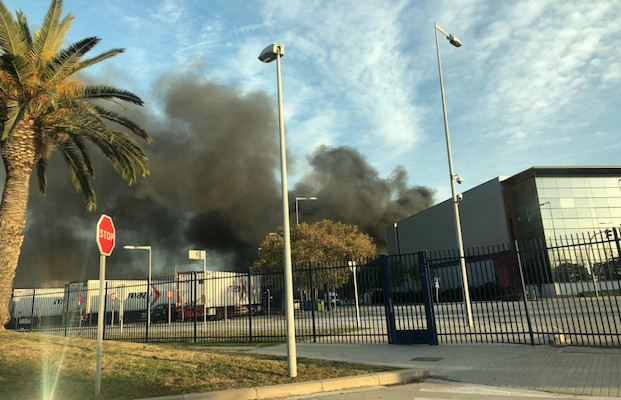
point(537, 204)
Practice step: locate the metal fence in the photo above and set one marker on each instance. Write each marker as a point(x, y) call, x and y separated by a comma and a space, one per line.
point(565, 291)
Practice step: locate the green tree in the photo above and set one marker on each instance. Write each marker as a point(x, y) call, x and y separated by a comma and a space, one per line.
point(44, 107)
point(328, 245)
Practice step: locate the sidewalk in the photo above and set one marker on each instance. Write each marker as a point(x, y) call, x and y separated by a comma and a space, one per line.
point(569, 370)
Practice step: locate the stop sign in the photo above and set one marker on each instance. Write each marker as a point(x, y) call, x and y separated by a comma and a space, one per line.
point(105, 235)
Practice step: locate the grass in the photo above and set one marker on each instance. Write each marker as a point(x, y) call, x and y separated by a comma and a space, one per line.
point(34, 366)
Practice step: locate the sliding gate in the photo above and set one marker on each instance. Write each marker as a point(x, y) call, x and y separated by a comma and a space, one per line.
point(407, 298)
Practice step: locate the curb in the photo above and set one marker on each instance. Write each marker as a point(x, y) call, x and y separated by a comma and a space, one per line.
point(304, 388)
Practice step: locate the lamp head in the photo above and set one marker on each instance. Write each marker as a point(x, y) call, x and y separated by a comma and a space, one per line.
point(454, 41)
point(270, 52)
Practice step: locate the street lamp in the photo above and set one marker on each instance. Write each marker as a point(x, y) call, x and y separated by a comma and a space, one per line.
point(270, 53)
point(297, 199)
point(149, 282)
point(454, 177)
point(202, 255)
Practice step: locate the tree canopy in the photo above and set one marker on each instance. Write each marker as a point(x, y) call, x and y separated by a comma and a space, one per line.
point(329, 245)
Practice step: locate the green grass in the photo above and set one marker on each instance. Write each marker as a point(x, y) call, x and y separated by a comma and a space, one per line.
point(34, 366)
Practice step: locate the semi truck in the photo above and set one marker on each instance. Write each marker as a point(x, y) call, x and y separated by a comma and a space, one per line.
point(221, 295)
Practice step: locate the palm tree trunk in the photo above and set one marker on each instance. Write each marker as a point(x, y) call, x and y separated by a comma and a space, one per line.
point(19, 155)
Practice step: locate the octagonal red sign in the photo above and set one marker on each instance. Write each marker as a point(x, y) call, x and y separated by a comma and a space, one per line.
point(105, 235)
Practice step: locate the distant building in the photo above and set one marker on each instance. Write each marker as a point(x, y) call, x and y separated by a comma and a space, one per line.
point(536, 204)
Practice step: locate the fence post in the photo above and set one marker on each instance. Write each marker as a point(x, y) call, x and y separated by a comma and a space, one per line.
point(616, 233)
point(519, 261)
point(312, 305)
point(13, 302)
point(34, 291)
point(388, 306)
point(194, 302)
point(104, 312)
point(428, 298)
point(68, 292)
point(146, 330)
point(249, 305)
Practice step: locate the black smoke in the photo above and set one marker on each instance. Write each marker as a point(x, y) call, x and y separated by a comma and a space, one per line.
point(350, 190)
point(214, 184)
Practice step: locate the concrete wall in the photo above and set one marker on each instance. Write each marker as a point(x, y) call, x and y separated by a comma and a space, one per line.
point(483, 222)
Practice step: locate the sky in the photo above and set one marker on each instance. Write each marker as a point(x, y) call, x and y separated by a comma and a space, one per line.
point(535, 83)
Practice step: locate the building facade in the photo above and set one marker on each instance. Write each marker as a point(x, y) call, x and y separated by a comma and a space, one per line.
point(540, 203)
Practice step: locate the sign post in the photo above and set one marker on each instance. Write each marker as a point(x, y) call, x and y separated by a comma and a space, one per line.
point(202, 255)
point(105, 243)
point(113, 298)
point(169, 295)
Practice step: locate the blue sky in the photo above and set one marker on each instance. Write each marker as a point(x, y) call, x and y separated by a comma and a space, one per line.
point(535, 82)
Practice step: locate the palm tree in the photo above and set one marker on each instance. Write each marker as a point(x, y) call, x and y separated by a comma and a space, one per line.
point(44, 107)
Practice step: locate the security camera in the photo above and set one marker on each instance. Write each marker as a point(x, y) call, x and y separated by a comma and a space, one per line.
point(460, 197)
point(459, 179)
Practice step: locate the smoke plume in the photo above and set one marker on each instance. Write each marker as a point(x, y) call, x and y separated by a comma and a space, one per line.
point(213, 185)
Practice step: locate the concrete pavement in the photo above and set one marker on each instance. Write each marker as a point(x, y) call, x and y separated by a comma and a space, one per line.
point(482, 371)
point(567, 370)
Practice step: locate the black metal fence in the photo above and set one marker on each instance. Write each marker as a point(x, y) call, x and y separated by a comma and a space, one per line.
point(566, 291)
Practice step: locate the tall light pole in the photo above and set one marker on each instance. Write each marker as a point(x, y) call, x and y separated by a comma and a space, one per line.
point(202, 255)
point(270, 53)
point(297, 199)
point(149, 282)
point(462, 260)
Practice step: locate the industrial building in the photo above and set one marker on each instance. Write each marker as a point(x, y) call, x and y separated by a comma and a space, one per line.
point(536, 204)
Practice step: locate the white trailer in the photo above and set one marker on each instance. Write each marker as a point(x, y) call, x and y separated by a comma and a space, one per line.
point(223, 290)
point(37, 306)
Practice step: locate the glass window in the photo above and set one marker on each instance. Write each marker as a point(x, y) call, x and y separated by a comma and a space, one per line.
point(615, 212)
point(583, 212)
point(569, 213)
point(548, 193)
point(582, 203)
point(602, 212)
point(546, 183)
point(577, 182)
point(567, 193)
point(563, 182)
point(611, 182)
point(581, 192)
point(567, 203)
point(613, 192)
point(615, 202)
point(571, 224)
point(586, 223)
point(596, 182)
point(601, 202)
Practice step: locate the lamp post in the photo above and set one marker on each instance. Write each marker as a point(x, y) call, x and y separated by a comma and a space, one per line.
point(270, 53)
point(456, 199)
point(202, 255)
point(297, 199)
point(149, 282)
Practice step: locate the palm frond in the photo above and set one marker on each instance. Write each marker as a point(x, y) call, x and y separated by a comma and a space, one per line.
point(15, 113)
point(79, 142)
point(14, 45)
point(65, 62)
point(91, 61)
point(105, 92)
point(122, 152)
point(78, 173)
point(49, 39)
point(22, 21)
point(125, 122)
point(41, 174)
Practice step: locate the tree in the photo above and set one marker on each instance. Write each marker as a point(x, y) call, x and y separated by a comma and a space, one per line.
point(44, 107)
point(328, 245)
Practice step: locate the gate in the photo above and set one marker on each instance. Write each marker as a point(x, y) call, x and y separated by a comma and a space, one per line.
point(407, 298)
